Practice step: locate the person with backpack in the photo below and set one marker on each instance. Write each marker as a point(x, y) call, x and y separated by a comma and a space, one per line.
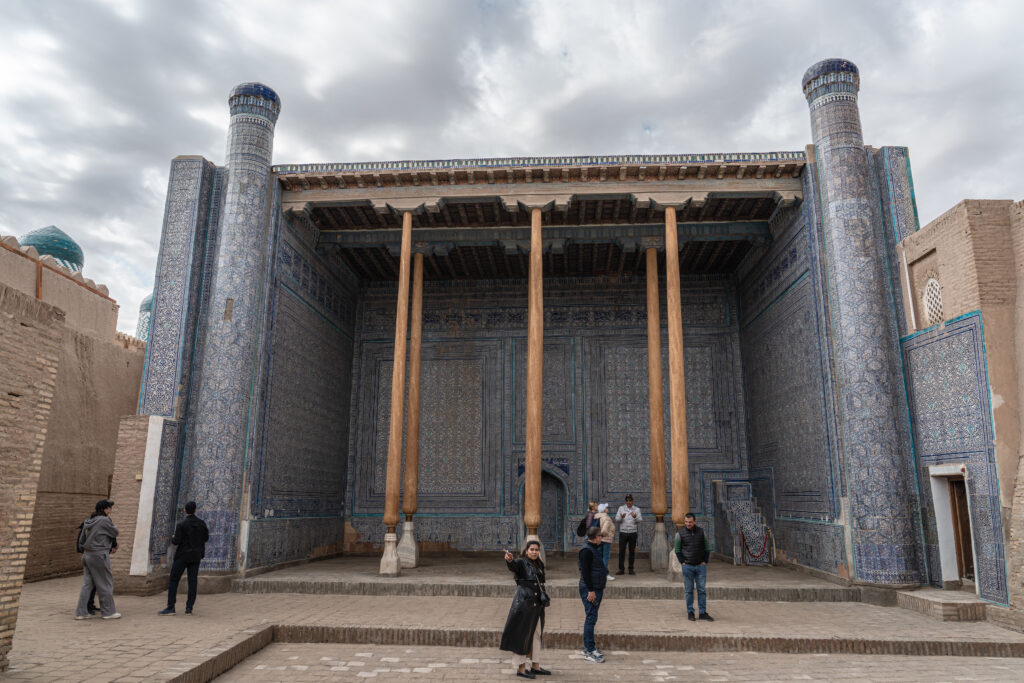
point(190, 536)
point(588, 519)
point(79, 548)
point(97, 540)
point(607, 526)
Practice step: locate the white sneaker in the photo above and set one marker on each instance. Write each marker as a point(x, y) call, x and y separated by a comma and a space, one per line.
point(611, 578)
point(115, 615)
point(593, 657)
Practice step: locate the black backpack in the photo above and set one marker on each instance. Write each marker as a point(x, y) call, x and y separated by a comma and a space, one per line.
point(80, 544)
point(581, 530)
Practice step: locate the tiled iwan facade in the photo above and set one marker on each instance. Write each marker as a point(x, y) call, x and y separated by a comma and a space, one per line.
point(809, 397)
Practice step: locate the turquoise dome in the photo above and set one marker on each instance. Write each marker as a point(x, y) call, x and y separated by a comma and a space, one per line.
point(54, 242)
point(147, 304)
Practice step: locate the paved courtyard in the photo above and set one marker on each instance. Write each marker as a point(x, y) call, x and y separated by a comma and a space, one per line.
point(647, 639)
point(303, 662)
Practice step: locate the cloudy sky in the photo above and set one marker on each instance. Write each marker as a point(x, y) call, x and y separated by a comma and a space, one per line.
point(96, 97)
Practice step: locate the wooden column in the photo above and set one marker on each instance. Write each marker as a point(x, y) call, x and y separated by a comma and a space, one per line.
point(534, 377)
point(394, 468)
point(657, 407)
point(412, 437)
point(676, 376)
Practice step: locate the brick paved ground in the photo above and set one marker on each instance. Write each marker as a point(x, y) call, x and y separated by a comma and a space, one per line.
point(304, 662)
point(51, 645)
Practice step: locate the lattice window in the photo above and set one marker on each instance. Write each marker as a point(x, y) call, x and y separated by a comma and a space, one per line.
point(932, 301)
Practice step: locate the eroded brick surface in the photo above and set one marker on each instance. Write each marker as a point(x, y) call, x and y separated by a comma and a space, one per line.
point(30, 336)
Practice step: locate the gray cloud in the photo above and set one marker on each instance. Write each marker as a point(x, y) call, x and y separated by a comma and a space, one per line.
point(96, 98)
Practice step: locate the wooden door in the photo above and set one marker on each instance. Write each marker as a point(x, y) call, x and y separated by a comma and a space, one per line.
point(961, 528)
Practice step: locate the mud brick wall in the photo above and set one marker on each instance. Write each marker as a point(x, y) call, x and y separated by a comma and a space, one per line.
point(30, 336)
point(97, 383)
point(1015, 552)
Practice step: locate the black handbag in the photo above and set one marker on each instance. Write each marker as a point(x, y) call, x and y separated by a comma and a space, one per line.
point(542, 595)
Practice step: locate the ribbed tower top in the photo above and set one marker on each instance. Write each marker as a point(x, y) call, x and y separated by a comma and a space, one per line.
point(254, 98)
point(831, 75)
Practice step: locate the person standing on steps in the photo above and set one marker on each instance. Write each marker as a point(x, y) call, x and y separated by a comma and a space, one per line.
point(593, 577)
point(607, 527)
point(97, 541)
point(524, 626)
point(190, 536)
point(693, 550)
point(628, 516)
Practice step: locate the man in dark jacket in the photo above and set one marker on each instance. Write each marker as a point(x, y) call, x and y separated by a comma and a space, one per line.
point(593, 577)
point(190, 536)
point(693, 550)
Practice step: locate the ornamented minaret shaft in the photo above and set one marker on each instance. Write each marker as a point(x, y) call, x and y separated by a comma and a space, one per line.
point(227, 367)
point(881, 507)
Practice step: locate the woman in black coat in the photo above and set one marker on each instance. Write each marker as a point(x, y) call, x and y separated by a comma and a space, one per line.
point(525, 622)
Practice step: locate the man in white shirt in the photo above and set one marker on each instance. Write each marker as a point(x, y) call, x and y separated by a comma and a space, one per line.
point(628, 516)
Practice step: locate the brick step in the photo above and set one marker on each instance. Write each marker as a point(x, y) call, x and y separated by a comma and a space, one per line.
point(942, 605)
point(505, 589)
point(661, 642)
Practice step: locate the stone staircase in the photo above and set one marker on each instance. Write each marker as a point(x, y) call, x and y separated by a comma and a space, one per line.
point(740, 529)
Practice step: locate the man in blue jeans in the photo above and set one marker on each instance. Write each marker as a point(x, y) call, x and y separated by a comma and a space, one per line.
point(693, 550)
point(593, 576)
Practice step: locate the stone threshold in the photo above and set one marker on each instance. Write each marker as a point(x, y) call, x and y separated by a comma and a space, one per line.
point(505, 589)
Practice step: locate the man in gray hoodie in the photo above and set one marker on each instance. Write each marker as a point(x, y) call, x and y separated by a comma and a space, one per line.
point(97, 539)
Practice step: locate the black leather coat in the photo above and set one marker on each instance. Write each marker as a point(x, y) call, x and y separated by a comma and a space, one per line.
point(526, 612)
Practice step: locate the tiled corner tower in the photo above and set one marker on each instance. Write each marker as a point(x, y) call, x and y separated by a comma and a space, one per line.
point(882, 521)
point(234, 319)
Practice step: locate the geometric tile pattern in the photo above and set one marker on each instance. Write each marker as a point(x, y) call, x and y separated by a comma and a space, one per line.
point(595, 439)
point(178, 273)
point(890, 168)
point(460, 427)
point(795, 469)
point(884, 523)
point(166, 498)
point(300, 470)
point(947, 382)
point(273, 540)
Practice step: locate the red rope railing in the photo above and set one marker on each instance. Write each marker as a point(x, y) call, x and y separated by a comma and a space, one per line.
point(746, 547)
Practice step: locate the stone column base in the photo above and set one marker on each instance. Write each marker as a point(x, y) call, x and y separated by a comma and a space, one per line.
point(408, 549)
point(675, 570)
point(659, 549)
point(389, 563)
